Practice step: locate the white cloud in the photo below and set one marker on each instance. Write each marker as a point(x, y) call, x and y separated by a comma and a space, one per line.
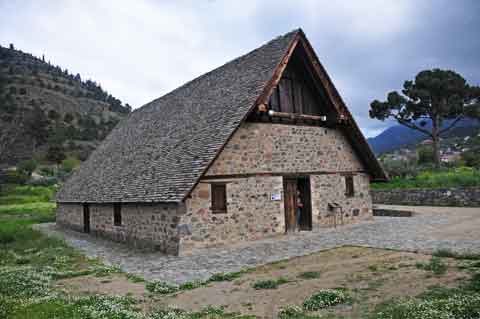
point(140, 50)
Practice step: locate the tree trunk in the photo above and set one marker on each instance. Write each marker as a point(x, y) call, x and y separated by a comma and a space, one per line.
point(436, 141)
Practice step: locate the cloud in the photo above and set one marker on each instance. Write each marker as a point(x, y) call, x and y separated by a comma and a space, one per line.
point(140, 50)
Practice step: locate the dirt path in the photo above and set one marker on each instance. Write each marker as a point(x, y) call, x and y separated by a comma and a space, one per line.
point(369, 275)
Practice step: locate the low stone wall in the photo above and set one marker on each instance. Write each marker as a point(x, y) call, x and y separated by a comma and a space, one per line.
point(469, 197)
point(143, 225)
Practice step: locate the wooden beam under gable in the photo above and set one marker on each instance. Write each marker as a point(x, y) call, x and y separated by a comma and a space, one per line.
point(277, 74)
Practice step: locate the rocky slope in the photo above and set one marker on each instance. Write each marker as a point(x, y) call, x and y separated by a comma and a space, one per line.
point(45, 110)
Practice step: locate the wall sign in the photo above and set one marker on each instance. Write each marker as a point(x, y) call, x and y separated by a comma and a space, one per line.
point(276, 196)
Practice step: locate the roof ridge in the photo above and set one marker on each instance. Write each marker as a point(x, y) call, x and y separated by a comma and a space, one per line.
point(295, 31)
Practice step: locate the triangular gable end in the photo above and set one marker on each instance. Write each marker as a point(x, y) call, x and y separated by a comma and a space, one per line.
point(335, 105)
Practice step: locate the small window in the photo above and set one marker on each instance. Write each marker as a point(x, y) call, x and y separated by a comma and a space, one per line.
point(349, 191)
point(117, 214)
point(219, 198)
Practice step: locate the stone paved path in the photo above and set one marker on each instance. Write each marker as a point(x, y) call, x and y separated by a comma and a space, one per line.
point(431, 228)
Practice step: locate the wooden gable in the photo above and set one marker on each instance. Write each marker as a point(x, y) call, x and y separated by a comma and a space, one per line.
point(300, 93)
point(296, 92)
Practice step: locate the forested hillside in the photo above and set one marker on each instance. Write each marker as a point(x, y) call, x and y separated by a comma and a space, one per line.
point(48, 113)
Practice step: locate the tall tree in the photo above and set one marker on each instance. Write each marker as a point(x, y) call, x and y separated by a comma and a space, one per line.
point(433, 97)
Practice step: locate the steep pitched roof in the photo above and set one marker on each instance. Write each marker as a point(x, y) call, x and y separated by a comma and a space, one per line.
point(162, 149)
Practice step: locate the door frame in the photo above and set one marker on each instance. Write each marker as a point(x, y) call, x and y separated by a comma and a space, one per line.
point(86, 218)
point(301, 182)
point(289, 200)
point(306, 191)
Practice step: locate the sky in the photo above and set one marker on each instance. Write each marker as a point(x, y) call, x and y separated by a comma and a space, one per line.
point(139, 50)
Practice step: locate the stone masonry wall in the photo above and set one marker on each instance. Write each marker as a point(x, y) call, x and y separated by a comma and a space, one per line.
point(429, 197)
point(252, 165)
point(143, 225)
point(70, 216)
point(263, 147)
point(331, 188)
point(250, 213)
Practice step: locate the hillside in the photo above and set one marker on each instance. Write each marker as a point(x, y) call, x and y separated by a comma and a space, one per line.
point(399, 136)
point(45, 110)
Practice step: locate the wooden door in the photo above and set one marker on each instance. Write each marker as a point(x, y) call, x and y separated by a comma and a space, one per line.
point(305, 193)
point(86, 218)
point(290, 199)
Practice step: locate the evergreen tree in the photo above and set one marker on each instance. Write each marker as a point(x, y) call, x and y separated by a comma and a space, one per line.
point(434, 96)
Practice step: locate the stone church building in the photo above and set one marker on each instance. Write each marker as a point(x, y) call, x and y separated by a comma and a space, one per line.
point(228, 157)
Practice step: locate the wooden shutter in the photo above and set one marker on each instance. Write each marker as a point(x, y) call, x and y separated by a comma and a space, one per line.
point(274, 100)
point(219, 198)
point(298, 97)
point(286, 98)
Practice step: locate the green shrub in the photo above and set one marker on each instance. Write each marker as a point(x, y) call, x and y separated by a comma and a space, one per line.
point(325, 298)
point(425, 155)
point(269, 283)
point(471, 158)
point(436, 265)
point(291, 312)
point(69, 164)
point(455, 177)
point(47, 171)
point(191, 285)
point(27, 167)
point(309, 275)
point(474, 284)
point(16, 177)
point(450, 254)
point(161, 288)
point(225, 276)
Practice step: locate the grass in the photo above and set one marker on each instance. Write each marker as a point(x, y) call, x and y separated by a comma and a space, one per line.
point(455, 177)
point(270, 283)
point(163, 288)
point(449, 254)
point(438, 302)
point(30, 262)
point(435, 265)
point(309, 275)
point(227, 276)
point(325, 298)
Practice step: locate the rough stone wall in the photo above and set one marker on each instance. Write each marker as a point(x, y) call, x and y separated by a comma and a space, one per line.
point(469, 197)
point(70, 216)
point(331, 188)
point(257, 150)
point(251, 214)
point(263, 147)
point(143, 225)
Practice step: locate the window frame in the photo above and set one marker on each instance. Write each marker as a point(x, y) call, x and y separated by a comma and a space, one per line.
point(349, 186)
point(117, 214)
point(218, 206)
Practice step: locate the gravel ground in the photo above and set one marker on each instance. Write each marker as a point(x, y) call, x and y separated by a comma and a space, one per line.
point(431, 228)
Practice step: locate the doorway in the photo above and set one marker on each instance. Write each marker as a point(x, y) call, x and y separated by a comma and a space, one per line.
point(86, 218)
point(290, 186)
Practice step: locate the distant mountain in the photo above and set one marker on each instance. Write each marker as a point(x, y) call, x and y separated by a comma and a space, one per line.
point(43, 106)
point(399, 136)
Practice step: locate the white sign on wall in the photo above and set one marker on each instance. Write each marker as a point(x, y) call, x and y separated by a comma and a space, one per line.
point(276, 196)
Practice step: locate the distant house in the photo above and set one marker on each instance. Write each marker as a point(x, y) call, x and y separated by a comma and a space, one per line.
point(228, 157)
point(426, 142)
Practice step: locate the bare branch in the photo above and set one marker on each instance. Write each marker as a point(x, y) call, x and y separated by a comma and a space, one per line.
point(413, 126)
point(451, 125)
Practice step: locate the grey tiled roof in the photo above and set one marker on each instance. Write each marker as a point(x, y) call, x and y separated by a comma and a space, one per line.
point(159, 152)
